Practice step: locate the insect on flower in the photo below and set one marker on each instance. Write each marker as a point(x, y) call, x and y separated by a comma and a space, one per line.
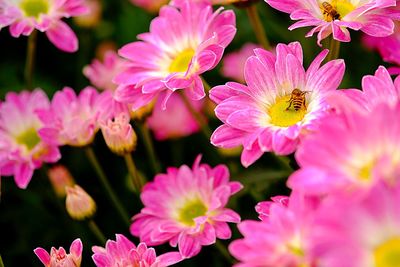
point(297, 99)
point(329, 11)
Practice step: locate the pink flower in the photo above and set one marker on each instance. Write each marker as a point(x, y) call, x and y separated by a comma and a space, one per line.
point(60, 177)
point(73, 120)
point(351, 232)
point(24, 16)
point(233, 63)
point(373, 17)
point(174, 122)
point(184, 41)
point(59, 257)
point(262, 116)
point(119, 135)
point(351, 152)
point(187, 208)
point(281, 240)
point(21, 149)
point(123, 252)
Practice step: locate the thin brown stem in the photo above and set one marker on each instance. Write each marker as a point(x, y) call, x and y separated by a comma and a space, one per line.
point(148, 143)
point(137, 181)
point(97, 232)
point(257, 25)
point(30, 59)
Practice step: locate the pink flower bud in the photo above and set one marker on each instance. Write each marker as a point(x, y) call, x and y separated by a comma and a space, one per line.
point(60, 177)
point(59, 257)
point(79, 204)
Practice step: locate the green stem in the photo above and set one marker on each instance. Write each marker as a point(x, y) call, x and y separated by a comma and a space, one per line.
point(258, 27)
point(136, 179)
point(207, 87)
point(1, 262)
point(284, 162)
point(148, 143)
point(197, 116)
point(222, 249)
point(103, 180)
point(334, 49)
point(97, 232)
point(30, 59)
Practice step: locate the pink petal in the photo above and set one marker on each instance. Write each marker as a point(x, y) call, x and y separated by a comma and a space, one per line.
point(43, 256)
point(61, 35)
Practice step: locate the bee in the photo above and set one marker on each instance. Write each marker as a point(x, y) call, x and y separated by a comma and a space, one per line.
point(297, 99)
point(329, 11)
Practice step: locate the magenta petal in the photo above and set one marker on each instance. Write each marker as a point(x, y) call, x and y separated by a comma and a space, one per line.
point(189, 246)
point(170, 258)
point(23, 175)
point(249, 156)
point(61, 35)
point(43, 256)
point(76, 248)
point(227, 137)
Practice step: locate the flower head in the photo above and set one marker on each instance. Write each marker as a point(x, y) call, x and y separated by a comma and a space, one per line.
point(351, 152)
point(24, 16)
point(22, 150)
point(119, 135)
point(187, 208)
point(60, 177)
point(123, 252)
point(281, 239)
point(373, 17)
point(280, 104)
point(80, 205)
point(233, 63)
point(59, 257)
point(174, 122)
point(73, 120)
point(184, 41)
point(366, 231)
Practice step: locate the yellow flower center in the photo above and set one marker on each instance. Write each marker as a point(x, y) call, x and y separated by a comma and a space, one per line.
point(336, 9)
point(388, 254)
point(181, 61)
point(33, 8)
point(29, 138)
point(192, 210)
point(365, 172)
point(282, 116)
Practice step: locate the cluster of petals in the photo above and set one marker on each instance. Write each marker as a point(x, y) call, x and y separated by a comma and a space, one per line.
point(25, 16)
point(335, 17)
point(185, 40)
point(176, 121)
point(282, 238)
point(234, 62)
point(187, 208)
point(364, 144)
point(74, 119)
point(22, 150)
point(388, 47)
point(122, 252)
point(59, 257)
point(257, 116)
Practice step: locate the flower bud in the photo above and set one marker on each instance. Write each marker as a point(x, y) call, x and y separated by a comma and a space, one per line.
point(79, 204)
point(93, 18)
point(60, 177)
point(119, 135)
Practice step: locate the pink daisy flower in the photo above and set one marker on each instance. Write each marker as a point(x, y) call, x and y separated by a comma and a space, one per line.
point(281, 239)
point(388, 47)
point(373, 17)
point(354, 233)
point(187, 208)
point(269, 114)
point(74, 120)
point(21, 149)
point(123, 252)
point(184, 41)
point(174, 122)
point(233, 63)
point(59, 257)
point(24, 16)
point(363, 149)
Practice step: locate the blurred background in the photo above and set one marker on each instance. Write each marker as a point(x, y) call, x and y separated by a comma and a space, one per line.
point(35, 217)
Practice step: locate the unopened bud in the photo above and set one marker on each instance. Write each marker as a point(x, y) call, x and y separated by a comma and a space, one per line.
point(80, 205)
point(60, 177)
point(119, 135)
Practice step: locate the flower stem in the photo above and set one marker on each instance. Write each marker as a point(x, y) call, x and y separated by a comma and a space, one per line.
point(30, 59)
point(334, 49)
point(148, 143)
point(1, 262)
point(207, 87)
point(137, 181)
point(97, 232)
point(197, 116)
point(258, 27)
point(103, 180)
point(222, 249)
